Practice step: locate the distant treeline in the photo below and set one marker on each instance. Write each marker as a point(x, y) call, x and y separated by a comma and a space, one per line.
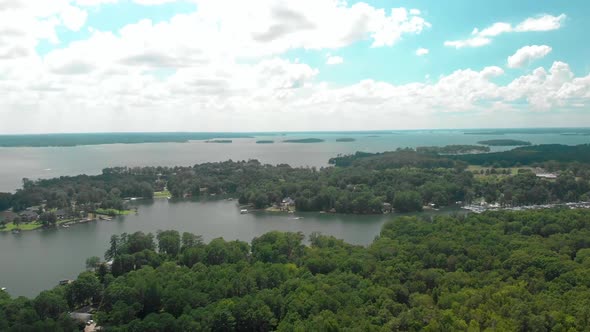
point(500, 271)
point(504, 142)
point(529, 155)
point(304, 140)
point(453, 149)
point(43, 140)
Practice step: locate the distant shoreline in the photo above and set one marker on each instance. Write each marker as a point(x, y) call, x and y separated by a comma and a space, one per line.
point(83, 139)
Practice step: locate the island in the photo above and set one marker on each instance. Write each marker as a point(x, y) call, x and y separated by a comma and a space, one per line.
point(222, 141)
point(345, 139)
point(504, 142)
point(304, 140)
point(265, 142)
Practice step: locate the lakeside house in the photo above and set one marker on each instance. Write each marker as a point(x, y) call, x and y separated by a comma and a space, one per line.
point(61, 214)
point(287, 201)
point(29, 216)
point(541, 173)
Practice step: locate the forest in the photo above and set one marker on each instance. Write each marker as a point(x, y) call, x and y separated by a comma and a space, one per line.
point(502, 271)
point(364, 183)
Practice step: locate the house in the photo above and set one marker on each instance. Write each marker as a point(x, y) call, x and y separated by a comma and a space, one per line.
point(387, 208)
point(29, 216)
point(287, 201)
point(541, 173)
point(61, 214)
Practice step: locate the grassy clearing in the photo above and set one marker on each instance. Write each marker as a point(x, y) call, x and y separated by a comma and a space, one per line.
point(476, 169)
point(23, 227)
point(30, 226)
point(162, 194)
point(112, 212)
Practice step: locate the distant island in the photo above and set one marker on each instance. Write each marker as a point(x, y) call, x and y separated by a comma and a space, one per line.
point(345, 139)
point(528, 131)
point(504, 142)
point(453, 149)
point(304, 140)
point(219, 141)
point(265, 142)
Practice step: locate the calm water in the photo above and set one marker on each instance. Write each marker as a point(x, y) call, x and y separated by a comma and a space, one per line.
point(34, 163)
point(33, 261)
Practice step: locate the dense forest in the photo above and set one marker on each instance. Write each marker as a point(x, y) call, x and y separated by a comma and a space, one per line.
point(502, 271)
point(363, 183)
point(529, 155)
point(504, 142)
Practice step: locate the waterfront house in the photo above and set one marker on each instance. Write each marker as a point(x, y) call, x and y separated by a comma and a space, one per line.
point(29, 216)
point(61, 214)
point(287, 201)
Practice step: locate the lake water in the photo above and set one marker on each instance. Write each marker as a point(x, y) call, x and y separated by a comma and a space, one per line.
point(34, 163)
point(34, 261)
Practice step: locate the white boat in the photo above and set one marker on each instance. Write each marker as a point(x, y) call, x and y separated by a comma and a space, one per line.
point(243, 211)
point(3, 289)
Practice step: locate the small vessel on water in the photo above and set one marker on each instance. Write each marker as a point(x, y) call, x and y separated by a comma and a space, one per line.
point(16, 231)
point(3, 289)
point(243, 211)
point(65, 226)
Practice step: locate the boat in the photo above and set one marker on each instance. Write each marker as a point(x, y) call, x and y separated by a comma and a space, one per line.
point(3, 289)
point(243, 211)
point(65, 226)
point(15, 231)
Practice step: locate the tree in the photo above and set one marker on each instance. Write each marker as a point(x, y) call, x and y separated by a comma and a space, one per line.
point(84, 290)
point(50, 304)
point(169, 242)
point(92, 262)
point(407, 201)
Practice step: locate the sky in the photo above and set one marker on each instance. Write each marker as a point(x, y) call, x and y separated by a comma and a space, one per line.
point(272, 65)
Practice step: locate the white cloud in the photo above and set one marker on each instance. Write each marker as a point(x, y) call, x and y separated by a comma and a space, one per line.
point(334, 60)
point(471, 42)
point(483, 37)
point(234, 78)
point(495, 29)
point(91, 3)
point(152, 2)
point(73, 18)
point(541, 23)
point(526, 54)
point(422, 51)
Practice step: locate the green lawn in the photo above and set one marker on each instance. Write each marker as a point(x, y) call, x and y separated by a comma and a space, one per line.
point(113, 212)
point(162, 194)
point(30, 226)
point(23, 226)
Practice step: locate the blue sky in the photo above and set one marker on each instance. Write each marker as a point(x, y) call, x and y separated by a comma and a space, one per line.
point(225, 60)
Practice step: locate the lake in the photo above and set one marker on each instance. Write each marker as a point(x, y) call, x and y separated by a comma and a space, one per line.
point(36, 260)
point(48, 162)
